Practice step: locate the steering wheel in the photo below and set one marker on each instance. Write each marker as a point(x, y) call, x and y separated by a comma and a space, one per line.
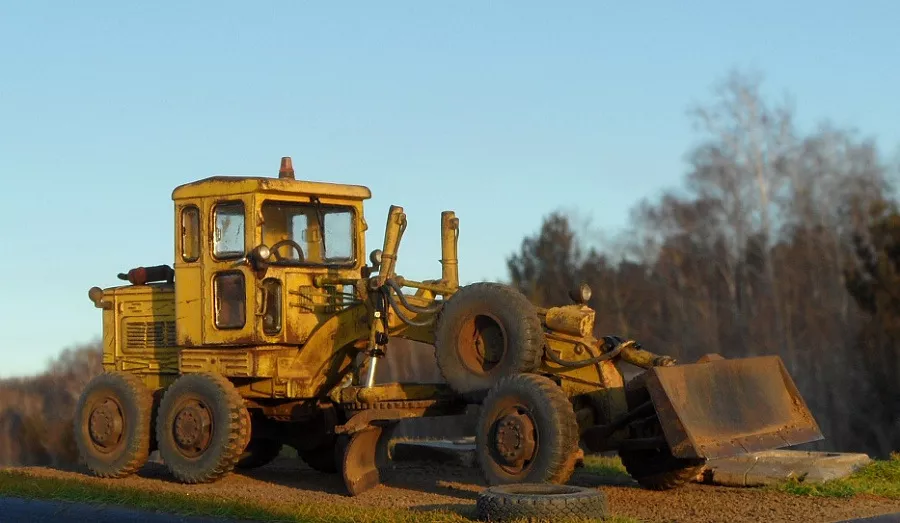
point(282, 243)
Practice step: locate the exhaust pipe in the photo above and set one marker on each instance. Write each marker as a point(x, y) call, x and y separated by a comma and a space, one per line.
point(449, 244)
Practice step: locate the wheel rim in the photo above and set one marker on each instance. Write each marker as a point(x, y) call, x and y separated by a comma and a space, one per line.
point(106, 425)
point(482, 343)
point(192, 429)
point(514, 440)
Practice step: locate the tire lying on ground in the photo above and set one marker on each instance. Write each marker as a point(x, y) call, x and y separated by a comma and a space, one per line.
point(112, 424)
point(202, 427)
point(540, 501)
point(484, 332)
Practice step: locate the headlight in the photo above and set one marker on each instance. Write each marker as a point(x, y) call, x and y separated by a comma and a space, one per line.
point(581, 294)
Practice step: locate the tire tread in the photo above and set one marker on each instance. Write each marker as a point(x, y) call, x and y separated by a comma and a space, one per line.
point(494, 505)
point(527, 353)
point(561, 465)
point(138, 448)
point(238, 427)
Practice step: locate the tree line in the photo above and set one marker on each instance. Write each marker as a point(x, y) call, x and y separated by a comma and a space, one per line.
point(778, 241)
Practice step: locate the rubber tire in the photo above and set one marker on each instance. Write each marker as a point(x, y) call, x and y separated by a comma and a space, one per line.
point(555, 423)
point(230, 433)
point(540, 501)
point(137, 402)
point(515, 315)
point(259, 453)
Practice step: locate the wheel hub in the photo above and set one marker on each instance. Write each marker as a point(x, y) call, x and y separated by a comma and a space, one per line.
point(515, 439)
point(105, 424)
point(483, 344)
point(193, 428)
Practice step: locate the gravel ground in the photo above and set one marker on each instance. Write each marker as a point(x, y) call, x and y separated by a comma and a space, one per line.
point(420, 486)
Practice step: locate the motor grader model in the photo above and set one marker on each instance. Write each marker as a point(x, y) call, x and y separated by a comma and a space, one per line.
point(267, 328)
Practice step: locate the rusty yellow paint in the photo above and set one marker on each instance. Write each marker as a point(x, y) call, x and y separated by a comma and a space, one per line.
point(218, 186)
point(395, 392)
point(303, 306)
point(139, 332)
point(575, 320)
point(449, 247)
point(328, 353)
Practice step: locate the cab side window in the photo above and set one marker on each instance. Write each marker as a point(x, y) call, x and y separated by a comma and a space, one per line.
point(228, 236)
point(190, 233)
point(231, 300)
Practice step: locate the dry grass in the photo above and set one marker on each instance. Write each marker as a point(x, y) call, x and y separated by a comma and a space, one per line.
point(879, 478)
point(607, 467)
point(19, 484)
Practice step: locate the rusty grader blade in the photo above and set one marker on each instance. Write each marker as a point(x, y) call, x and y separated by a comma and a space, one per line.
point(365, 457)
point(360, 471)
point(724, 408)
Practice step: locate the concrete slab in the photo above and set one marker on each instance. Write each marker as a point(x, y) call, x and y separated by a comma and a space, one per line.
point(772, 466)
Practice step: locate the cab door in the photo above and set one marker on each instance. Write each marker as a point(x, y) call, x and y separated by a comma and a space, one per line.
point(229, 292)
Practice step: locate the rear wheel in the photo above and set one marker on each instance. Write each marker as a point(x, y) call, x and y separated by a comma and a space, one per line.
point(202, 428)
point(485, 332)
point(321, 458)
point(259, 453)
point(112, 424)
point(527, 432)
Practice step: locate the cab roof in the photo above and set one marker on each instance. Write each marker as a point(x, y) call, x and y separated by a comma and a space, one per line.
point(285, 184)
point(233, 185)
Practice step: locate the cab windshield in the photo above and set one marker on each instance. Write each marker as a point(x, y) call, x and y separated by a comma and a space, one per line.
point(308, 233)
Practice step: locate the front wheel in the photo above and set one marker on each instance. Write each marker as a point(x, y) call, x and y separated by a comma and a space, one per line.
point(527, 432)
point(259, 453)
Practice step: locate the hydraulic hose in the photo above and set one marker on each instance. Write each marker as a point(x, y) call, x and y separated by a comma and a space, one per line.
point(392, 285)
point(400, 314)
point(620, 344)
point(421, 310)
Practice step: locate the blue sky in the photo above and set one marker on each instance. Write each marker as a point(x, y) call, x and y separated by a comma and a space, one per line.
point(501, 111)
